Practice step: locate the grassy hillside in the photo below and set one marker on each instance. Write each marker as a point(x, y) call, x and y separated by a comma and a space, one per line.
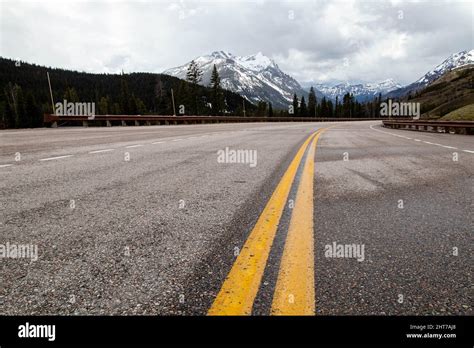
point(466, 113)
point(450, 92)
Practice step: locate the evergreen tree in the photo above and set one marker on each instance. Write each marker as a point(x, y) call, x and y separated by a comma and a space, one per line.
point(379, 101)
point(262, 109)
point(324, 108)
point(16, 106)
point(270, 110)
point(71, 95)
point(132, 105)
point(116, 109)
point(303, 108)
point(141, 108)
point(2, 115)
point(182, 97)
point(103, 106)
point(9, 117)
point(22, 117)
point(194, 76)
point(217, 100)
point(124, 98)
point(359, 111)
point(330, 108)
point(312, 103)
point(352, 105)
point(158, 99)
point(295, 105)
point(346, 106)
point(33, 111)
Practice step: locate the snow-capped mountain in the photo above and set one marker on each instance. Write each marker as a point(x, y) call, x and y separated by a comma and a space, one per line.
point(456, 60)
point(256, 77)
point(362, 92)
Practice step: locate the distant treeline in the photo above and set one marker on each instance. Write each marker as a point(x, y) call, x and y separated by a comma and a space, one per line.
point(345, 107)
point(24, 96)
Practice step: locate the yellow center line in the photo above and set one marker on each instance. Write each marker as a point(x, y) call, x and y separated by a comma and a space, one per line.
point(294, 291)
point(238, 292)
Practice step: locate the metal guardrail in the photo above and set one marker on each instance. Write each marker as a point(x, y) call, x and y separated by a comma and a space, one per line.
point(458, 127)
point(124, 120)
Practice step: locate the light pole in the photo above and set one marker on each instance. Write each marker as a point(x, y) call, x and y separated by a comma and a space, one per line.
point(172, 98)
point(51, 93)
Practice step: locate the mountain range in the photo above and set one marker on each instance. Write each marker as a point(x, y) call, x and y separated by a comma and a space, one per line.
point(362, 92)
point(456, 60)
point(258, 78)
point(391, 89)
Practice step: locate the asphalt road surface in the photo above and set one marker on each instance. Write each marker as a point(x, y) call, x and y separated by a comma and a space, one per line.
point(314, 218)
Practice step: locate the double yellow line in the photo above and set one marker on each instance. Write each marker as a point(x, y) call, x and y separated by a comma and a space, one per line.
point(294, 291)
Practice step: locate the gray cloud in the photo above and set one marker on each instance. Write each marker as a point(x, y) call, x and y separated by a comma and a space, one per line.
point(314, 41)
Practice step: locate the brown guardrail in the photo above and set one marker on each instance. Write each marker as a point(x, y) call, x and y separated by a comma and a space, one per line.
point(459, 127)
point(109, 120)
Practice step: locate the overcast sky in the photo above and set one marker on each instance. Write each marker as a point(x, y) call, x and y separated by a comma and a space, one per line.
point(314, 41)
